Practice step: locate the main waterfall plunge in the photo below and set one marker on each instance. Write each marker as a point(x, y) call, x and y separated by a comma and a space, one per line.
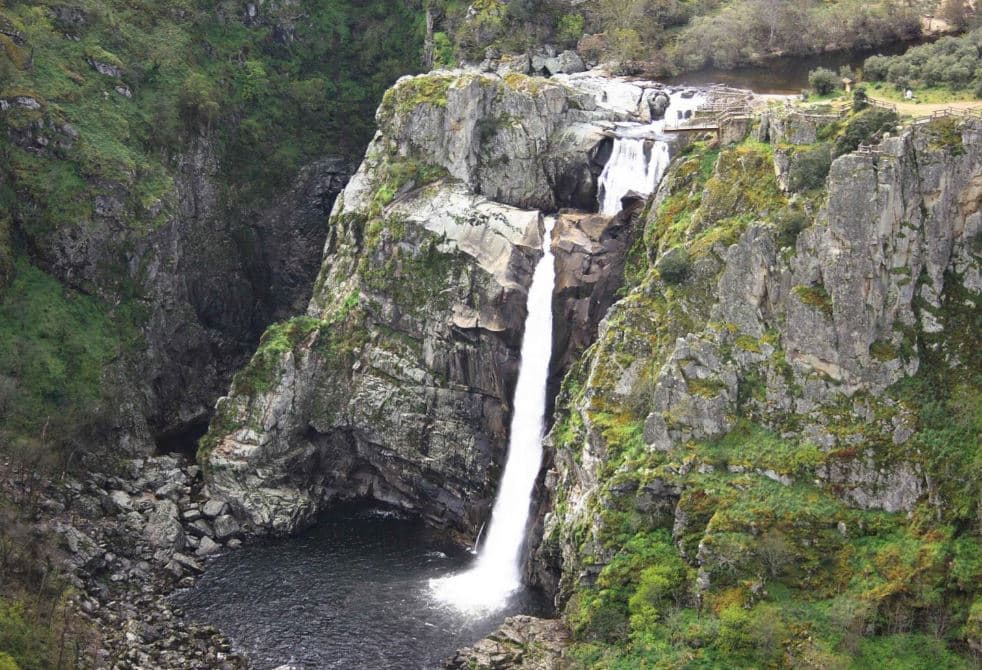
point(638, 161)
point(376, 591)
point(497, 572)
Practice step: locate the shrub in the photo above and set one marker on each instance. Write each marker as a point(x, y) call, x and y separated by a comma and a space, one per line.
point(810, 168)
point(864, 128)
point(736, 634)
point(823, 81)
point(875, 68)
point(860, 100)
point(952, 62)
point(443, 54)
point(198, 102)
point(674, 266)
point(658, 586)
point(570, 28)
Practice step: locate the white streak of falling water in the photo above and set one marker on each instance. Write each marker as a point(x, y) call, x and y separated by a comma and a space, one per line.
point(640, 155)
point(631, 168)
point(497, 571)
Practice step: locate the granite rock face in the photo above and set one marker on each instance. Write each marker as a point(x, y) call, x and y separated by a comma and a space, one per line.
point(518, 140)
point(403, 398)
point(804, 341)
point(396, 385)
point(521, 643)
point(208, 277)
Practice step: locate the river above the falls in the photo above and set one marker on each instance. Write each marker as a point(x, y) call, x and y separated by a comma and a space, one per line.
point(352, 592)
point(789, 74)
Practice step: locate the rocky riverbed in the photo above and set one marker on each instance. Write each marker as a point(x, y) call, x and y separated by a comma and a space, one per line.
point(129, 540)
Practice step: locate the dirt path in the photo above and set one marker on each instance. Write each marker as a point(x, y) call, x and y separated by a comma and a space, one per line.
point(927, 108)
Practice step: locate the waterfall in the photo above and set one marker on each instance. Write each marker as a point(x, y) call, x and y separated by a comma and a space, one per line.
point(477, 540)
point(632, 167)
point(497, 571)
point(640, 154)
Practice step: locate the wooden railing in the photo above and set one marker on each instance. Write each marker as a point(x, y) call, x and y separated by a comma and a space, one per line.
point(973, 115)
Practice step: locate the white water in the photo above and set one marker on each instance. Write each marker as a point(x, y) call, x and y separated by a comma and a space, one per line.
point(641, 155)
point(497, 571)
point(632, 167)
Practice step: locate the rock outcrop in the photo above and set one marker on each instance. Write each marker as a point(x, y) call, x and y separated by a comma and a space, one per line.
point(521, 643)
point(590, 251)
point(396, 385)
point(755, 365)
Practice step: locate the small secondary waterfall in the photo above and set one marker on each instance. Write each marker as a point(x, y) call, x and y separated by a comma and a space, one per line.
point(632, 167)
point(497, 571)
point(640, 154)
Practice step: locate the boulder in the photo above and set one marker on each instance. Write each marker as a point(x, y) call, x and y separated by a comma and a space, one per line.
point(207, 547)
point(214, 508)
point(568, 62)
point(225, 527)
point(163, 530)
point(187, 563)
point(521, 643)
point(658, 104)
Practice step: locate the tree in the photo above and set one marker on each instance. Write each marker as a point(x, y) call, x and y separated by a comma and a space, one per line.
point(523, 10)
point(621, 14)
point(823, 81)
point(860, 100)
point(956, 12)
point(198, 102)
point(774, 552)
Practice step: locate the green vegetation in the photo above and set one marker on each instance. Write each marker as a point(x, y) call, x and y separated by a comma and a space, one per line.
point(398, 174)
point(278, 339)
point(749, 445)
point(665, 37)
point(823, 81)
point(713, 196)
point(257, 90)
point(430, 89)
point(809, 168)
point(791, 576)
point(748, 31)
point(815, 296)
point(865, 127)
point(738, 551)
point(954, 63)
point(675, 265)
point(55, 347)
point(39, 628)
point(946, 133)
point(103, 102)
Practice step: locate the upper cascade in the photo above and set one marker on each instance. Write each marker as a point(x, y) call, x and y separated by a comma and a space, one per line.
point(641, 152)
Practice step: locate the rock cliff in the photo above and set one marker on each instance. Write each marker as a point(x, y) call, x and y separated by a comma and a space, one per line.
point(396, 384)
point(759, 413)
point(769, 384)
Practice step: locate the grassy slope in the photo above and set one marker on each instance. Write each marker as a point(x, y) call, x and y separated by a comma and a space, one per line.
point(282, 88)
